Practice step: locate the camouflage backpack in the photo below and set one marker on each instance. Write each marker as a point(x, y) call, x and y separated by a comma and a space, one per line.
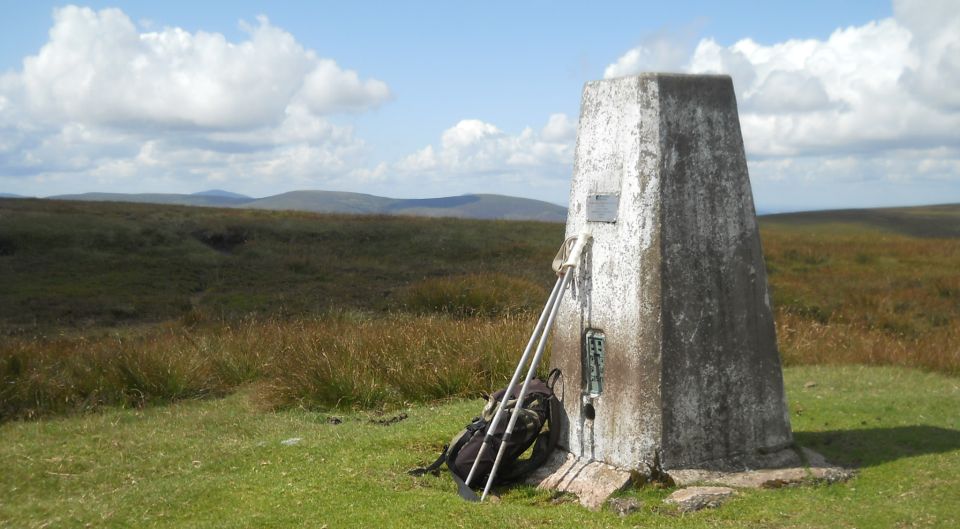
point(537, 426)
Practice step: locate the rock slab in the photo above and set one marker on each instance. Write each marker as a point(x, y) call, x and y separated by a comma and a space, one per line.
point(591, 481)
point(695, 498)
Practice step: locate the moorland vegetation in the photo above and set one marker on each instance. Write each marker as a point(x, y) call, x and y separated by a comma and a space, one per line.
point(135, 304)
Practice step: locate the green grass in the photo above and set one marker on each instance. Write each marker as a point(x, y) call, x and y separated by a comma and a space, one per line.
point(110, 309)
point(221, 463)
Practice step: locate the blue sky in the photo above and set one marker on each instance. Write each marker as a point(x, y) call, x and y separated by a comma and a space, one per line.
point(843, 104)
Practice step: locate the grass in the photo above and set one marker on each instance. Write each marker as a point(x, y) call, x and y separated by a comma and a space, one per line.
point(341, 360)
point(847, 294)
point(292, 317)
point(87, 265)
point(220, 463)
point(474, 295)
point(337, 311)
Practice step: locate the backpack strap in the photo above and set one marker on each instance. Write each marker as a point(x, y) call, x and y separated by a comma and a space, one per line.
point(449, 451)
point(448, 454)
point(553, 377)
point(432, 468)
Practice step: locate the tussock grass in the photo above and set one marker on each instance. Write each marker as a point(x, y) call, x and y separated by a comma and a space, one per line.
point(849, 295)
point(805, 342)
point(348, 362)
point(474, 295)
point(67, 374)
point(342, 360)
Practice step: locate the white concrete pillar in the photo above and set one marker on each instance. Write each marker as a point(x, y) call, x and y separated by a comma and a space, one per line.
point(673, 282)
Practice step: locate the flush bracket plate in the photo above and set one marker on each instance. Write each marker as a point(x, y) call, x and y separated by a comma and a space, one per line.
point(593, 359)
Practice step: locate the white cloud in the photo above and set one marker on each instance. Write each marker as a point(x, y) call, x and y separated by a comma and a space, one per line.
point(661, 52)
point(474, 155)
point(97, 68)
point(559, 128)
point(467, 133)
point(103, 100)
point(789, 91)
point(935, 29)
point(852, 104)
point(327, 88)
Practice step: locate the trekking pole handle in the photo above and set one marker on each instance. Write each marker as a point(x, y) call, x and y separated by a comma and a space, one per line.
point(573, 260)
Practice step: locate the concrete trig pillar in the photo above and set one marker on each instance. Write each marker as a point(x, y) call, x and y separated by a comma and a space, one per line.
point(666, 340)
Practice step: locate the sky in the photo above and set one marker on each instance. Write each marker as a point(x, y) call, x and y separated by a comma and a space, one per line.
point(842, 104)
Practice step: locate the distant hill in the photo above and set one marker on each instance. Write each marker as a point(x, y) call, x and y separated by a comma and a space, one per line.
point(941, 220)
point(221, 193)
point(12, 195)
point(322, 202)
point(482, 207)
point(157, 198)
point(920, 221)
point(464, 206)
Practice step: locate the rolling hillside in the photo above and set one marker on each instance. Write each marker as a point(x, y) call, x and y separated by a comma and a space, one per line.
point(78, 280)
point(73, 262)
point(941, 220)
point(322, 202)
point(196, 199)
point(482, 206)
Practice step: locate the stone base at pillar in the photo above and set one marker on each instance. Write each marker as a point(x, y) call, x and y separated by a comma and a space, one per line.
point(591, 481)
point(779, 469)
point(594, 482)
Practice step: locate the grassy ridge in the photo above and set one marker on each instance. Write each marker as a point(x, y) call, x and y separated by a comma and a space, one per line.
point(246, 296)
point(937, 221)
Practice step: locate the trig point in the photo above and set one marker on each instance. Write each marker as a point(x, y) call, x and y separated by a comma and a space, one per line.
point(666, 340)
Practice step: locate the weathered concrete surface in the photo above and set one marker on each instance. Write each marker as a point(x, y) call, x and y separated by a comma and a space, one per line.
point(591, 481)
point(696, 498)
point(677, 285)
point(618, 286)
point(721, 386)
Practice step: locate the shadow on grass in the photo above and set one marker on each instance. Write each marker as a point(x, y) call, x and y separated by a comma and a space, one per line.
point(875, 446)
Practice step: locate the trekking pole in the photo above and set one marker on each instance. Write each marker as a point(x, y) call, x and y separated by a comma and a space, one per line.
point(567, 269)
point(561, 257)
point(516, 375)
